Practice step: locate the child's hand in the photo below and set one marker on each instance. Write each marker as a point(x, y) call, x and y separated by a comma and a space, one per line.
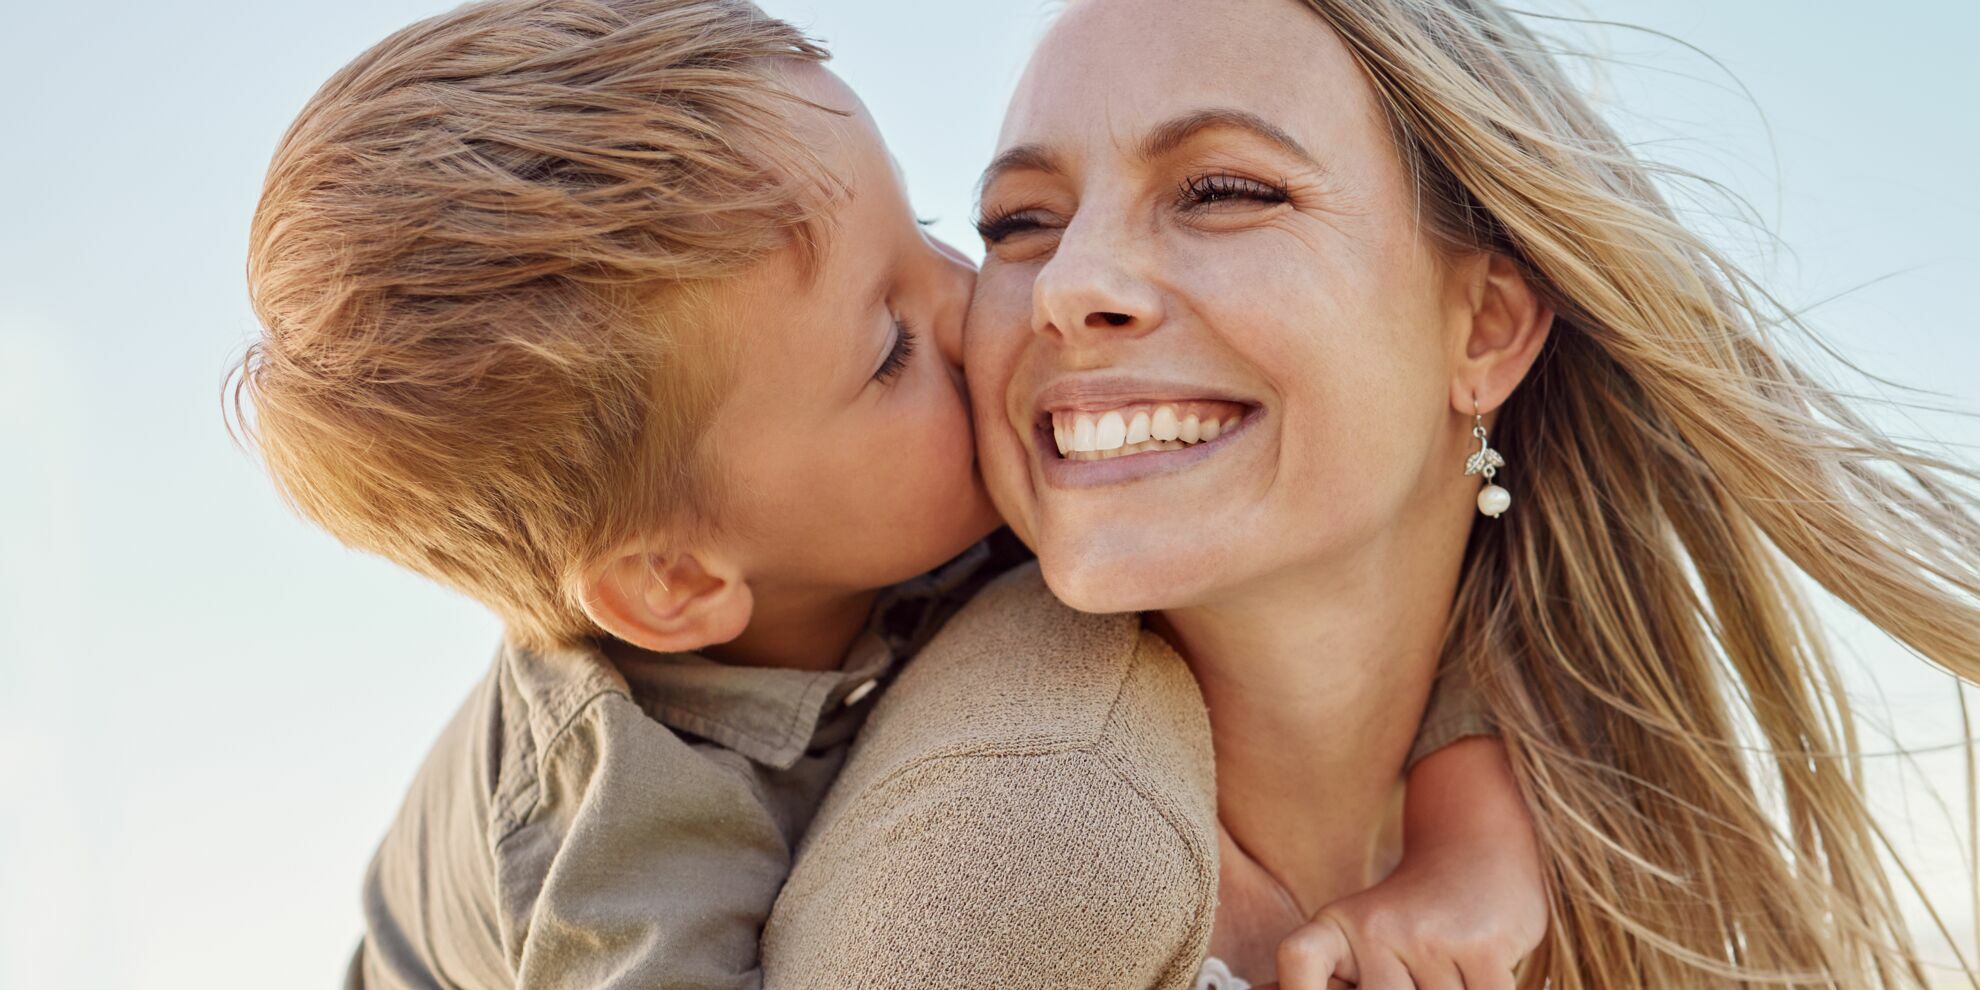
point(1462, 927)
point(1464, 907)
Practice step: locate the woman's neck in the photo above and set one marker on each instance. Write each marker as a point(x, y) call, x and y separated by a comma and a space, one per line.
point(1315, 684)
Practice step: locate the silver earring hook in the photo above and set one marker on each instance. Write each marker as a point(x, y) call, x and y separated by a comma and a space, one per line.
point(1485, 461)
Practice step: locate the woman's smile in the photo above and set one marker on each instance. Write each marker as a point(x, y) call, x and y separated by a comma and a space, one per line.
point(1098, 431)
point(1091, 436)
point(1129, 460)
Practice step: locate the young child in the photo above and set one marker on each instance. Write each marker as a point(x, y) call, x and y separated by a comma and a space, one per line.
point(613, 315)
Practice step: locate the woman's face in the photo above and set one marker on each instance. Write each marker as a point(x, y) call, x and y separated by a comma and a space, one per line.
point(1198, 217)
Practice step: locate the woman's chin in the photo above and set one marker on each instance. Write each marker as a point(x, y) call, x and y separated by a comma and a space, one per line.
point(1092, 579)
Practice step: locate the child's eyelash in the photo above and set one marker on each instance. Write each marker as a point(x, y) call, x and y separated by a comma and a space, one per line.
point(1203, 190)
point(897, 359)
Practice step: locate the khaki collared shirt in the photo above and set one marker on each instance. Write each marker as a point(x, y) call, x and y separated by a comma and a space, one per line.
point(594, 825)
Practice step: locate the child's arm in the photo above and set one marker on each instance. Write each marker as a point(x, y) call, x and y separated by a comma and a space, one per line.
point(1466, 904)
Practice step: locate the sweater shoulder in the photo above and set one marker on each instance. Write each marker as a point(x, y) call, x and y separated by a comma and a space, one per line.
point(1015, 667)
point(1018, 672)
point(1030, 804)
point(1016, 869)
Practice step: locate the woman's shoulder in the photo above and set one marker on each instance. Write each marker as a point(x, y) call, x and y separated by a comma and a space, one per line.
point(1030, 804)
point(1017, 668)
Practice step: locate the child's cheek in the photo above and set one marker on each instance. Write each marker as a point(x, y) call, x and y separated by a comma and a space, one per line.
point(943, 443)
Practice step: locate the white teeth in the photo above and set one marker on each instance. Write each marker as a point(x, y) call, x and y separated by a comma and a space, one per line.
point(1083, 433)
point(1137, 430)
point(1103, 436)
point(1112, 432)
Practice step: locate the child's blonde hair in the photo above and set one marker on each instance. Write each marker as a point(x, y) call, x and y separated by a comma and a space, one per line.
point(475, 262)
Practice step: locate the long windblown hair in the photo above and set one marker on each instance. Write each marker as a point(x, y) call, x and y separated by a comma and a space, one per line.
point(1636, 625)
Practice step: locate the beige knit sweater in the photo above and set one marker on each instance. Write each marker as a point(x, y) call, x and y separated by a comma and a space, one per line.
point(1030, 805)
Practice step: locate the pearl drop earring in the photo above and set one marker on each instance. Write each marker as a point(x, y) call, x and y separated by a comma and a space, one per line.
point(1492, 500)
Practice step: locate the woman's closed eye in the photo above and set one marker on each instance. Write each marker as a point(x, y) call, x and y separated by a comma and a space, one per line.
point(1201, 191)
point(1221, 190)
point(997, 226)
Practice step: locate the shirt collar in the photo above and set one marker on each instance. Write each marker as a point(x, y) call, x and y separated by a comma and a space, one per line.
point(765, 713)
point(772, 715)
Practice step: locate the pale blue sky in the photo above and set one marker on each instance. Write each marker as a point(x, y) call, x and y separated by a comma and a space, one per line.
point(208, 711)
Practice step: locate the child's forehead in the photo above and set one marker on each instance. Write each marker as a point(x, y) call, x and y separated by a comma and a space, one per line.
point(862, 203)
point(837, 128)
point(817, 299)
point(820, 298)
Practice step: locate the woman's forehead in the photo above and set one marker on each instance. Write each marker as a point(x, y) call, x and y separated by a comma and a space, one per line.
point(1113, 70)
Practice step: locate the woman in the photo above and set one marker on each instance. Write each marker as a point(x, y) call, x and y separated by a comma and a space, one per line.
point(1389, 249)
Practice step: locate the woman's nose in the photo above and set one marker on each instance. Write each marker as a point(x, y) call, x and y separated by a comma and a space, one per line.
point(1092, 287)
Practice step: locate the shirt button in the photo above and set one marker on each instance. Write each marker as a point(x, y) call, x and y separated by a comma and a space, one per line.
point(858, 694)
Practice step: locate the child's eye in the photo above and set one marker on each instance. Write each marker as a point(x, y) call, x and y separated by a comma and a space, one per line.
point(897, 359)
point(1208, 190)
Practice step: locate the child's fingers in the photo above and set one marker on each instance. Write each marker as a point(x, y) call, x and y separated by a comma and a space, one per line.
point(1487, 975)
point(1385, 971)
point(1313, 954)
point(1437, 974)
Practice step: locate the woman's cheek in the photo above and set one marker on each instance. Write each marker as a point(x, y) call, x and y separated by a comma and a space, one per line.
point(994, 337)
point(998, 312)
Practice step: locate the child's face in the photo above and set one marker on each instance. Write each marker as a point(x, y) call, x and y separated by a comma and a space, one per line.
point(847, 455)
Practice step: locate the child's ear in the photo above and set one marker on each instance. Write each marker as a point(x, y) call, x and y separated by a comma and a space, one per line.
point(668, 602)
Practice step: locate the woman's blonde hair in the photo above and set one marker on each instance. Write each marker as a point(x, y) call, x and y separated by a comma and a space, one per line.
point(1639, 613)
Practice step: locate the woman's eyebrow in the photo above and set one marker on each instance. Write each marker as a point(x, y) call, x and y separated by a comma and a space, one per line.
point(1024, 157)
point(1172, 133)
point(1165, 138)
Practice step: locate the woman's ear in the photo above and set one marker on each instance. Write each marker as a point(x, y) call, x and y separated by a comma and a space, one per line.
point(1503, 323)
point(668, 602)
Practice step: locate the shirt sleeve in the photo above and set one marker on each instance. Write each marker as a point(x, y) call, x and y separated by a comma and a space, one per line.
point(428, 897)
point(1455, 712)
point(1017, 871)
point(647, 863)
